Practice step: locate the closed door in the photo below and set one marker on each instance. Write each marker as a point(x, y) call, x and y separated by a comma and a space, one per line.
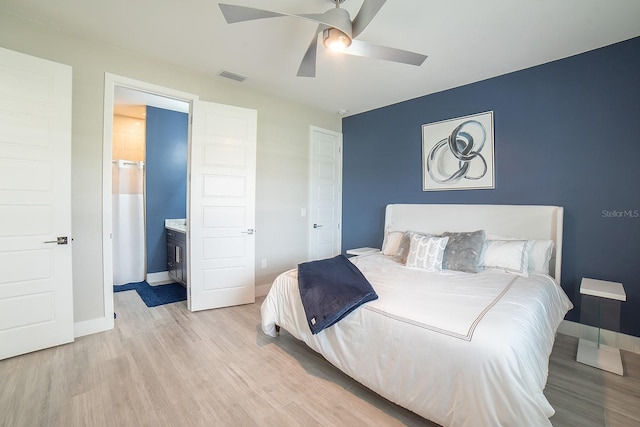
point(36, 301)
point(325, 194)
point(221, 242)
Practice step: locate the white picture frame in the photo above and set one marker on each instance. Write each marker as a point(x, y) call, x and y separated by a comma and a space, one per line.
point(458, 154)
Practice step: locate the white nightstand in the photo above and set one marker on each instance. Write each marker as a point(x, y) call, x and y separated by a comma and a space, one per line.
point(362, 251)
point(594, 353)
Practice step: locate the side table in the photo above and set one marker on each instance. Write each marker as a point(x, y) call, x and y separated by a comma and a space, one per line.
point(597, 354)
point(362, 251)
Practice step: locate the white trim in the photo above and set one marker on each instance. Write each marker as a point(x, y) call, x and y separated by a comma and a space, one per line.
point(159, 278)
point(610, 338)
point(262, 290)
point(93, 326)
point(110, 82)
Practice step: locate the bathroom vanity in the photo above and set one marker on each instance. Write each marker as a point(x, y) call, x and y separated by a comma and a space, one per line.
point(176, 230)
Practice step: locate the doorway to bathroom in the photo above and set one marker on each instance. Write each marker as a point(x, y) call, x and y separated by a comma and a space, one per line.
point(220, 223)
point(149, 183)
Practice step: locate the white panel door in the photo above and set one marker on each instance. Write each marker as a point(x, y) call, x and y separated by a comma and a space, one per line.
point(325, 194)
point(222, 206)
point(36, 294)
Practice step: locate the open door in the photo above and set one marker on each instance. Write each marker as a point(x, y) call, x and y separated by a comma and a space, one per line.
point(36, 293)
point(221, 211)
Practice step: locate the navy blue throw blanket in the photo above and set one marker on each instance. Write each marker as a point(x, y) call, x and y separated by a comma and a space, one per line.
point(330, 289)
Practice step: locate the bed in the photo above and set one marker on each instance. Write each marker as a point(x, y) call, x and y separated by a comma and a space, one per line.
point(457, 348)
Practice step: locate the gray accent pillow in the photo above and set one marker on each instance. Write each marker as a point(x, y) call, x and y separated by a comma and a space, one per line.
point(463, 251)
point(405, 243)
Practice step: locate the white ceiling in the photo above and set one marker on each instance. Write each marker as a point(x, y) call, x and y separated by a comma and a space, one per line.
point(465, 40)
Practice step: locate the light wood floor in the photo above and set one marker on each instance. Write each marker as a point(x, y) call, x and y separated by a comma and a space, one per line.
point(165, 366)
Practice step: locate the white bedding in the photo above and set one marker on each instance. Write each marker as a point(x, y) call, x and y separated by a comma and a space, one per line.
point(459, 349)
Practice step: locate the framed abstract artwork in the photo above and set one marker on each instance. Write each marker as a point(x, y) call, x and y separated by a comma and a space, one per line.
point(457, 154)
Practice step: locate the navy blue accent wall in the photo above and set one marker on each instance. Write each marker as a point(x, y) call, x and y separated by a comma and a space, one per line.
point(567, 133)
point(166, 179)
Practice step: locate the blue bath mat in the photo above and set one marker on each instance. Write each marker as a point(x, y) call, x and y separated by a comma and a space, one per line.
point(155, 295)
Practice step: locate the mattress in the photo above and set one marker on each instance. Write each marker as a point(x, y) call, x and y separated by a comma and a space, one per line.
point(459, 349)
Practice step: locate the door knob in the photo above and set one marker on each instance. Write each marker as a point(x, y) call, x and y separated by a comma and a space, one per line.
point(317, 225)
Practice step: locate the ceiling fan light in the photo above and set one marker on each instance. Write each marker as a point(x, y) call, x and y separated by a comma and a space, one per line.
point(335, 39)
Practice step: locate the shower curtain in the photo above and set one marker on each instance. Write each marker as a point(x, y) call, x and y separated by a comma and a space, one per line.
point(128, 222)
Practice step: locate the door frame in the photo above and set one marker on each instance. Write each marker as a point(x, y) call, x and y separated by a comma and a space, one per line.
point(110, 83)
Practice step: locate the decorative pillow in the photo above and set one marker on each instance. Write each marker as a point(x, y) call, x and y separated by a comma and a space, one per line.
point(463, 251)
point(510, 256)
point(403, 249)
point(391, 242)
point(539, 254)
point(426, 252)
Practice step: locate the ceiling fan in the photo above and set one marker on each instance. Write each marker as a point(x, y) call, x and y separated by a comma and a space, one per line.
point(338, 33)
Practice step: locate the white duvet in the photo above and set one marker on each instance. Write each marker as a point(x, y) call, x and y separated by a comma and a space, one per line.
point(459, 349)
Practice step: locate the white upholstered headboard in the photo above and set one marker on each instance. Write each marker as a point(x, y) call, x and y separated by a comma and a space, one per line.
point(530, 222)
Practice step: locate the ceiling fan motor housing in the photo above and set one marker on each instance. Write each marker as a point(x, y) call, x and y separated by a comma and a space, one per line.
point(340, 19)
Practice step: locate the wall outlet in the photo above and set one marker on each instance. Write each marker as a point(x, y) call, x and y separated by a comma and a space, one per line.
point(264, 263)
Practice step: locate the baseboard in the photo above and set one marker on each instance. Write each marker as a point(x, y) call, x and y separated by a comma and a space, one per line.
point(262, 290)
point(93, 326)
point(610, 338)
point(159, 278)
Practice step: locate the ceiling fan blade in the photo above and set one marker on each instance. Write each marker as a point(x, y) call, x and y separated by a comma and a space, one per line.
point(233, 13)
point(366, 13)
point(370, 50)
point(337, 18)
point(308, 65)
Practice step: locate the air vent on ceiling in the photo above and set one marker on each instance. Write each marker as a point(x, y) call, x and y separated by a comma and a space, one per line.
point(232, 76)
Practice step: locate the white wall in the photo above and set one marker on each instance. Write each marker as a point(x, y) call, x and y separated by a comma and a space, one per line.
point(282, 153)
